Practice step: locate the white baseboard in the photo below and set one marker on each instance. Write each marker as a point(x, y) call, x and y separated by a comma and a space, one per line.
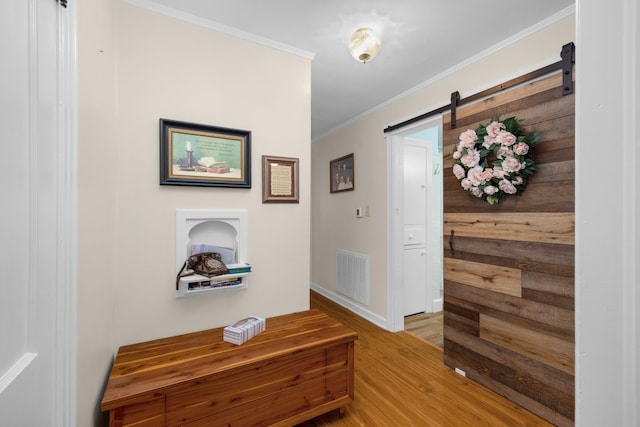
point(437, 305)
point(351, 306)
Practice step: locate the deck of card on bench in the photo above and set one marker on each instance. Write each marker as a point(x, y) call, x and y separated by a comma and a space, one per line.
point(243, 330)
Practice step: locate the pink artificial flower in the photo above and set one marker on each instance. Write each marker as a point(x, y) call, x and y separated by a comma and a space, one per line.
point(458, 171)
point(475, 176)
point(490, 190)
point(488, 140)
point(511, 164)
point(493, 128)
point(521, 148)
point(517, 180)
point(468, 138)
point(506, 138)
point(457, 154)
point(471, 159)
point(498, 172)
point(466, 184)
point(487, 174)
point(507, 187)
point(504, 152)
point(476, 192)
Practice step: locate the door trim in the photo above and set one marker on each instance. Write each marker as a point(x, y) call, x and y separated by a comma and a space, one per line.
point(395, 222)
point(67, 216)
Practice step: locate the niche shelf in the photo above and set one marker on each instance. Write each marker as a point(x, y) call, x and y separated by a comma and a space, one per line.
point(223, 231)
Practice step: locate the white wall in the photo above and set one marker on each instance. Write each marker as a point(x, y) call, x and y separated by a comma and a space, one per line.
point(607, 232)
point(137, 66)
point(334, 225)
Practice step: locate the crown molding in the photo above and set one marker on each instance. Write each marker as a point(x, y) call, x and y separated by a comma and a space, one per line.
point(221, 28)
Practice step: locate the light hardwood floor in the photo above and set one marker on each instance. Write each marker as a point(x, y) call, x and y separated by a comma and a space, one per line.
point(427, 326)
point(400, 380)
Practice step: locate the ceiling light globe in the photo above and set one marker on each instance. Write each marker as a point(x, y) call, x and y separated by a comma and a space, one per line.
point(364, 44)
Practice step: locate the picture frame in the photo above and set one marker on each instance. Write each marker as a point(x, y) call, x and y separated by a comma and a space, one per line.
point(280, 179)
point(341, 174)
point(202, 155)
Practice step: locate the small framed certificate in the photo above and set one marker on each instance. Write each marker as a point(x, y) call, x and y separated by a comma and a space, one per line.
point(280, 177)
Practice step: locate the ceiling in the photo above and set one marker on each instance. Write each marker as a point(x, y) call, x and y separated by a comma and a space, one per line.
point(421, 39)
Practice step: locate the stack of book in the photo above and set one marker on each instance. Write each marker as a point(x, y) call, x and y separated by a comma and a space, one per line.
point(236, 272)
point(243, 330)
point(243, 267)
point(196, 281)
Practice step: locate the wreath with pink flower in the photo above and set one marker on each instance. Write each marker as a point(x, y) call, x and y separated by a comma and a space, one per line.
point(494, 160)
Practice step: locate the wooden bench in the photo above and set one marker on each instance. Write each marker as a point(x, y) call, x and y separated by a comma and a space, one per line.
point(299, 368)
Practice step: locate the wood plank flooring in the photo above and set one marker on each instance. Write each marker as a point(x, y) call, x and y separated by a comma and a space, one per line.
point(400, 380)
point(428, 326)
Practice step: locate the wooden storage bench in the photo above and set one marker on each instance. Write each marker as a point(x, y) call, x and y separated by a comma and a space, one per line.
point(299, 368)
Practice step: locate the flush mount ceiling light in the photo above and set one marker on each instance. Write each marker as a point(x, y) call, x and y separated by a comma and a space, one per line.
point(364, 44)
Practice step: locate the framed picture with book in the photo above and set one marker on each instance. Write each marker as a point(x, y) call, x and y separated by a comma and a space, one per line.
point(204, 155)
point(341, 174)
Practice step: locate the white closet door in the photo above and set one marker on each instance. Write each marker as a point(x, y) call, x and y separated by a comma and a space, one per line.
point(414, 258)
point(31, 351)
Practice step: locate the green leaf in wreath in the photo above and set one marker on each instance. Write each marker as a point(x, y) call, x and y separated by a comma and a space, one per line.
point(493, 199)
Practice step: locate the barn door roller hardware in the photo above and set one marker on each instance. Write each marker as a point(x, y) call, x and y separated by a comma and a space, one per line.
point(568, 55)
point(455, 99)
point(63, 3)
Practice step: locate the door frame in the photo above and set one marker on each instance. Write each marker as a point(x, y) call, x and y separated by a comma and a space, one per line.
point(67, 281)
point(66, 216)
point(395, 218)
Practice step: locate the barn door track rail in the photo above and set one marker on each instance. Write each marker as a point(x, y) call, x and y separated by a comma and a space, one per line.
point(568, 59)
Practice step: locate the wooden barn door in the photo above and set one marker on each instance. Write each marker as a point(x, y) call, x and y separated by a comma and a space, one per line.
point(509, 271)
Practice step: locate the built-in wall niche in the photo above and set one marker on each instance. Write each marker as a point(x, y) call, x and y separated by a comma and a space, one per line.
point(222, 231)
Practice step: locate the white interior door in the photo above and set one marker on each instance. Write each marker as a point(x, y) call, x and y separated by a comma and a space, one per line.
point(397, 235)
point(416, 156)
point(33, 386)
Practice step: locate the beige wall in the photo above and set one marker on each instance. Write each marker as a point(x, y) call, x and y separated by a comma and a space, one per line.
point(334, 225)
point(152, 66)
point(97, 110)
